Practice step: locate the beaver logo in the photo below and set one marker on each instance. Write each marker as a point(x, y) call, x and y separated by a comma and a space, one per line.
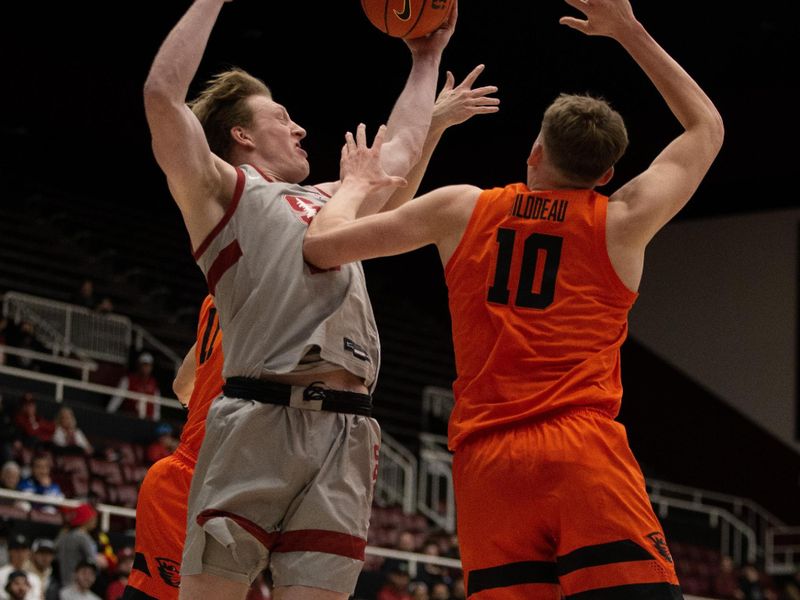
point(660, 544)
point(170, 571)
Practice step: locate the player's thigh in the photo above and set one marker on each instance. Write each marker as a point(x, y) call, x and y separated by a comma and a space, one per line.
point(210, 587)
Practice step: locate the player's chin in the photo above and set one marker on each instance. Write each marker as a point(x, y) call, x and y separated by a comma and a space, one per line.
point(302, 170)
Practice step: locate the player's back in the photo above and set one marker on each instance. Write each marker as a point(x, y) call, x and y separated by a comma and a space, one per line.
point(208, 377)
point(538, 311)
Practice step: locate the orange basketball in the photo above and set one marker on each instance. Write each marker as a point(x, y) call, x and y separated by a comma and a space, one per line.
point(407, 19)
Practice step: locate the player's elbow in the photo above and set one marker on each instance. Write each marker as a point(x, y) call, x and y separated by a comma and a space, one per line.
point(317, 253)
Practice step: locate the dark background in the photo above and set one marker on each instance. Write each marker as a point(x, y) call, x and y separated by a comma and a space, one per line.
point(73, 116)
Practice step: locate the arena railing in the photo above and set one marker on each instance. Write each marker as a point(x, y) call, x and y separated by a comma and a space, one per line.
point(782, 550)
point(68, 328)
point(104, 510)
point(436, 497)
point(84, 366)
point(397, 475)
point(754, 516)
point(61, 383)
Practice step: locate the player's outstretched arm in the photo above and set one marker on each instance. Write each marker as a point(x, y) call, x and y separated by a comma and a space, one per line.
point(651, 199)
point(454, 105)
point(337, 235)
point(200, 182)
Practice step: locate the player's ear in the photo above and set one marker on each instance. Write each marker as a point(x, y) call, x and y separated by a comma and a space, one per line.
point(535, 157)
point(241, 136)
point(606, 177)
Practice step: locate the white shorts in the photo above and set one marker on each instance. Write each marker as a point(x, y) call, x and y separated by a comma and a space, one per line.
point(284, 488)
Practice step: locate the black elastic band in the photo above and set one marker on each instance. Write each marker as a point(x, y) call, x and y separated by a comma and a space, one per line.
point(518, 573)
point(270, 392)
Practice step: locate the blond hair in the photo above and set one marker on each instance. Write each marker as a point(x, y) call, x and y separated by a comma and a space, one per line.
point(222, 105)
point(583, 136)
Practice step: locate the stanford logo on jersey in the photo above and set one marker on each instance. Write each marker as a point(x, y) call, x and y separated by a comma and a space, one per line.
point(304, 208)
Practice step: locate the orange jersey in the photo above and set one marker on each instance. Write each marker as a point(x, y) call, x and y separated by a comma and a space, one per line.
point(538, 312)
point(208, 377)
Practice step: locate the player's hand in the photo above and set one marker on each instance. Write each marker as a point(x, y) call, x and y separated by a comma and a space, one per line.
point(436, 41)
point(362, 164)
point(457, 103)
point(610, 18)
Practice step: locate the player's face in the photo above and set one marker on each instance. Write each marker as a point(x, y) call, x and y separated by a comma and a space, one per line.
point(277, 140)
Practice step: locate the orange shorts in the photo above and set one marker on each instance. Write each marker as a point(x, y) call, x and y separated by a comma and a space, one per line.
point(558, 508)
point(160, 529)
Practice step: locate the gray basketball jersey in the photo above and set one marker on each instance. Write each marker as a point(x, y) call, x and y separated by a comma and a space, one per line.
point(273, 307)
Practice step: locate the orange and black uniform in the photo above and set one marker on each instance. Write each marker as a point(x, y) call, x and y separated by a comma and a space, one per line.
point(548, 493)
point(161, 511)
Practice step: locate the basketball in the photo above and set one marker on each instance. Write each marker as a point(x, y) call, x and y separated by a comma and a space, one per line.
point(407, 19)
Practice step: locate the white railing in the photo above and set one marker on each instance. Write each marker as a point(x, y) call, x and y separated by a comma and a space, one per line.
point(69, 328)
point(436, 402)
point(782, 550)
point(397, 475)
point(104, 510)
point(60, 384)
point(737, 540)
point(84, 366)
point(754, 516)
point(436, 497)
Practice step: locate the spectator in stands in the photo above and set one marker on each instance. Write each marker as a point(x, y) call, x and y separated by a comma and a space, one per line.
point(725, 583)
point(419, 590)
point(23, 337)
point(139, 380)
point(791, 589)
point(10, 476)
point(85, 295)
point(116, 588)
point(77, 546)
point(41, 482)
point(750, 583)
point(19, 553)
point(33, 428)
point(406, 543)
point(67, 433)
point(397, 584)
point(457, 590)
point(17, 586)
point(105, 306)
point(83, 579)
point(432, 574)
point(41, 564)
point(440, 591)
point(164, 444)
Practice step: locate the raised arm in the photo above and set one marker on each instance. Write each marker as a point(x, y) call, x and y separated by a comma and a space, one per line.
point(201, 183)
point(337, 235)
point(646, 203)
point(454, 105)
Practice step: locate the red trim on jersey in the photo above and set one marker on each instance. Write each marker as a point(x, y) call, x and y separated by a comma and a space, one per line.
point(264, 175)
point(237, 195)
point(321, 191)
point(226, 258)
point(320, 540)
point(267, 539)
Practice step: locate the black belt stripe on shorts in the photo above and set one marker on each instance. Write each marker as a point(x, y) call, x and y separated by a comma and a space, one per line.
point(270, 392)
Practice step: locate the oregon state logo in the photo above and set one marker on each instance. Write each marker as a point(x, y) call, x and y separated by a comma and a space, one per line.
point(404, 14)
point(304, 208)
point(170, 571)
point(660, 544)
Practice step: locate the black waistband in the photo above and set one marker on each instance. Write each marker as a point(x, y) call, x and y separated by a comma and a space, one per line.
point(313, 397)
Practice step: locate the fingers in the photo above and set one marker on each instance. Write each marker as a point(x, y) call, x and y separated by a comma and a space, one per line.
point(579, 24)
point(361, 135)
point(349, 144)
point(378, 141)
point(472, 76)
point(449, 82)
point(485, 90)
point(398, 181)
